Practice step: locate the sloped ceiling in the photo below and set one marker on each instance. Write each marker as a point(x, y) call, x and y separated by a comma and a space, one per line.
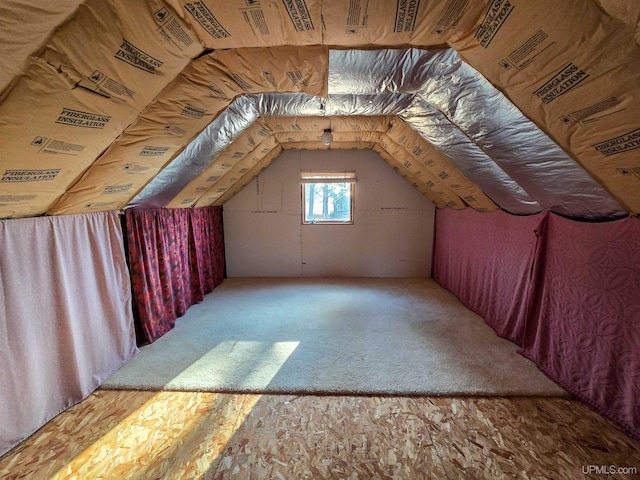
point(524, 105)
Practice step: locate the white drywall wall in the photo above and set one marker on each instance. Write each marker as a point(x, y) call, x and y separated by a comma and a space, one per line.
point(392, 234)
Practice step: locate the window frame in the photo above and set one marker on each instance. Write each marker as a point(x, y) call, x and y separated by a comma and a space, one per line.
point(332, 178)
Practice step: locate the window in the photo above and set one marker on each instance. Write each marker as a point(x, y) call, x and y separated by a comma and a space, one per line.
point(327, 198)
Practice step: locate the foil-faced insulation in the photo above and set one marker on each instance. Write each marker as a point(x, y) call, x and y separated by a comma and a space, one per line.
point(359, 72)
point(536, 165)
point(305, 105)
point(447, 103)
point(513, 141)
point(198, 154)
point(469, 158)
point(388, 103)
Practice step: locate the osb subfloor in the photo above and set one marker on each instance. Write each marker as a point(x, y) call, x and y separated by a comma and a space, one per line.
point(171, 435)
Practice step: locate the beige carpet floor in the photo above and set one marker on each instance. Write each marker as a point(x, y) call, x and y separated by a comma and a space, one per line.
point(352, 336)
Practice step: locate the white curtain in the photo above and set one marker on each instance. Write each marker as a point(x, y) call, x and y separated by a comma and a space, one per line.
point(65, 316)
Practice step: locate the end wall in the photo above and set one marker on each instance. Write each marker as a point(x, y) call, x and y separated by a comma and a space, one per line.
point(392, 234)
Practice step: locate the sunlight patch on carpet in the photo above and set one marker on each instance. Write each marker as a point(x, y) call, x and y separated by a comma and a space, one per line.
point(247, 365)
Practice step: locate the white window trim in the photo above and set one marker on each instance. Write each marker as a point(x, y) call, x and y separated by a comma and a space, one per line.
point(328, 177)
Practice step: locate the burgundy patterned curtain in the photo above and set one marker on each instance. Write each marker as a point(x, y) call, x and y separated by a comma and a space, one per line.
point(176, 257)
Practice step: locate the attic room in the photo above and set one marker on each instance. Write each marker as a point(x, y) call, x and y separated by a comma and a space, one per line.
point(402, 236)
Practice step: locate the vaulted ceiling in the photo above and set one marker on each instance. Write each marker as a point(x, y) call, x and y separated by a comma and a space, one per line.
point(523, 105)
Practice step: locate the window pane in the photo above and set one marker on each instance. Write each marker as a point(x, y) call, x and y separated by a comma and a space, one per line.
point(327, 202)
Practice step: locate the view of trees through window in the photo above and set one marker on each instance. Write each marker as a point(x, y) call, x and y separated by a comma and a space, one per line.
point(327, 199)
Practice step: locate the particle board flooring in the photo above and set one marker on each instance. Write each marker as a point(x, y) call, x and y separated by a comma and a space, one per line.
point(180, 435)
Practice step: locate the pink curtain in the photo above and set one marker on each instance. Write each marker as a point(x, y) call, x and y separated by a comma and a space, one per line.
point(584, 327)
point(486, 261)
point(176, 257)
point(65, 321)
point(567, 292)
